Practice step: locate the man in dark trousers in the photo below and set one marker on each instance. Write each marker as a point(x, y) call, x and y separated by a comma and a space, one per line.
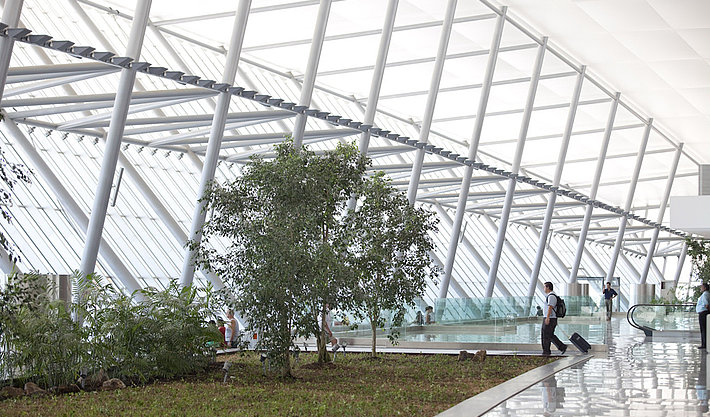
point(550, 322)
point(609, 295)
point(703, 308)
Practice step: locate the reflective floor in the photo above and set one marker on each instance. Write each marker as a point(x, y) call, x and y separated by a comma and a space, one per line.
point(638, 378)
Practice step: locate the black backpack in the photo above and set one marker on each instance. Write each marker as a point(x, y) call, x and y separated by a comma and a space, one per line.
point(560, 308)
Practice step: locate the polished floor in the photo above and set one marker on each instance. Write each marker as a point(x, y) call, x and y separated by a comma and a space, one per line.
point(639, 377)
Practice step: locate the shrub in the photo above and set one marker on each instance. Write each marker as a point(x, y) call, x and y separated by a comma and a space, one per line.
point(165, 336)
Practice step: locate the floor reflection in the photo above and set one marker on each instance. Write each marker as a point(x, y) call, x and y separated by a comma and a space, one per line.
point(639, 377)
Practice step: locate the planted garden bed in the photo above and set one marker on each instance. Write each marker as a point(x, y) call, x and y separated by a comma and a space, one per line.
point(355, 385)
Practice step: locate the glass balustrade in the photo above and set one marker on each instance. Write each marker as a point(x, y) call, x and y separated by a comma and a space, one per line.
point(663, 317)
point(510, 320)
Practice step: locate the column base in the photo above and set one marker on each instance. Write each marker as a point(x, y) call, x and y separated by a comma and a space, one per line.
point(573, 289)
point(642, 293)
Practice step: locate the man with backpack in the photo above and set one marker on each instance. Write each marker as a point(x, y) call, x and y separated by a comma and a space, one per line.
point(550, 322)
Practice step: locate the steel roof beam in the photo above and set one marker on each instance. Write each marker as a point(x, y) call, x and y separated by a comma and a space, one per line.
point(45, 72)
point(475, 86)
point(425, 60)
point(626, 181)
point(372, 32)
point(516, 111)
point(559, 135)
point(42, 85)
point(109, 97)
point(594, 159)
point(222, 15)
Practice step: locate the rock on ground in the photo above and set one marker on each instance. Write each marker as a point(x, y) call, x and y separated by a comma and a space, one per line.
point(65, 389)
point(11, 392)
point(112, 384)
point(33, 389)
point(95, 381)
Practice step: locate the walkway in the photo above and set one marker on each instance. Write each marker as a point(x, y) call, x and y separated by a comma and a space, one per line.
point(638, 378)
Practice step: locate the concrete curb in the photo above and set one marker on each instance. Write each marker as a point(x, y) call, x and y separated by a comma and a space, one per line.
point(489, 399)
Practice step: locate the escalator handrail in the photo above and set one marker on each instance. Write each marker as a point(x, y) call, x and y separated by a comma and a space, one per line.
point(648, 330)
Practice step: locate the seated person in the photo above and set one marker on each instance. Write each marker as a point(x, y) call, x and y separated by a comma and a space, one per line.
point(429, 315)
point(419, 319)
point(539, 311)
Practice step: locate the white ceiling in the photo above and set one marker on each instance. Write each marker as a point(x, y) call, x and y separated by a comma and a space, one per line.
point(656, 52)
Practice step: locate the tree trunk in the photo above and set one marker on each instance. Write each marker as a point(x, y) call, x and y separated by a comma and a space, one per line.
point(374, 338)
point(322, 342)
point(286, 364)
point(286, 353)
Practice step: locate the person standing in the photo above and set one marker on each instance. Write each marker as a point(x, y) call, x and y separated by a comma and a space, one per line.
point(703, 308)
point(609, 295)
point(550, 322)
point(231, 334)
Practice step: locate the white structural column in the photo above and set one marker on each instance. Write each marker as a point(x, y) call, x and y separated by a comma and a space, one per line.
point(681, 261)
point(376, 83)
point(158, 207)
point(7, 267)
point(510, 193)
point(629, 201)
point(549, 211)
point(11, 17)
point(378, 74)
point(593, 191)
point(472, 151)
point(113, 140)
point(309, 79)
point(10, 129)
point(661, 212)
point(216, 134)
point(431, 99)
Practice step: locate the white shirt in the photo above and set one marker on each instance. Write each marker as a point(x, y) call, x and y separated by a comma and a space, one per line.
point(551, 301)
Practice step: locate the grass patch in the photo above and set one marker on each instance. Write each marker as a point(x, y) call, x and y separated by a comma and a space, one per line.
point(408, 385)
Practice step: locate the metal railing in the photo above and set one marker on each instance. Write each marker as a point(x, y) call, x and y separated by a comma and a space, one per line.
point(651, 318)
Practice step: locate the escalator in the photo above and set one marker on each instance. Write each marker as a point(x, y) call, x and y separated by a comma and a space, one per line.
point(663, 319)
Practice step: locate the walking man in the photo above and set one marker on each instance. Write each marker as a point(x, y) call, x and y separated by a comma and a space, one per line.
point(609, 295)
point(550, 322)
point(703, 308)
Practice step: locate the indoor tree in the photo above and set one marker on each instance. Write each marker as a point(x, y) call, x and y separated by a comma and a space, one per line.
point(699, 252)
point(388, 241)
point(280, 222)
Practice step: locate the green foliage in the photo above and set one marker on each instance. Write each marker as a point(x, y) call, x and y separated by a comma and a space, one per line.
point(10, 174)
point(165, 336)
point(387, 245)
point(38, 338)
point(699, 251)
point(281, 222)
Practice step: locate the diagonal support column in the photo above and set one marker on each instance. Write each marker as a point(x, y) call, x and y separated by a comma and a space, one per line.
point(629, 201)
point(11, 17)
point(10, 129)
point(376, 83)
point(681, 261)
point(7, 266)
point(378, 74)
point(216, 133)
point(309, 79)
point(593, 191)
point(431, 99)
point(472, 151)
point(113, 140)
point(661, 212)
point(510, 193)
point(549, 212)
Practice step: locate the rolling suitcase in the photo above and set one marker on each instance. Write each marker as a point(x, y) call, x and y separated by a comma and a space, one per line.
point(579, 342)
